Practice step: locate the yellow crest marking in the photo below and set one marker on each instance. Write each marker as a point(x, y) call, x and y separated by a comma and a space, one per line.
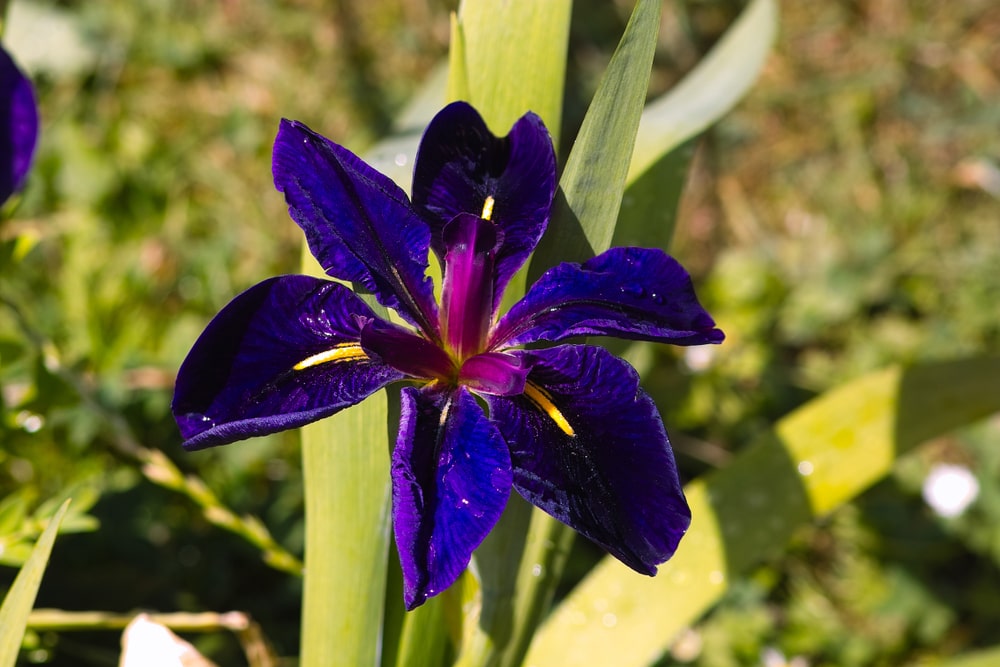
point(487, 208)
point(543, 401)
point(341, 352)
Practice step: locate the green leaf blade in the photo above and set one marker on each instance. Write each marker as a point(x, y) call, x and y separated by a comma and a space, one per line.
point(593, 181)
point(20, 598)
point(818, 457)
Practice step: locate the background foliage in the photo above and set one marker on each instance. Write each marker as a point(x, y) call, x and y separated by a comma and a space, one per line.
point(843, 218)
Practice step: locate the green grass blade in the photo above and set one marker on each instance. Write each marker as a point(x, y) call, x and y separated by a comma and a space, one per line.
point(591, 187)
point(20, 598)
point(510, 57)
point(710, 90)
point(820, 456)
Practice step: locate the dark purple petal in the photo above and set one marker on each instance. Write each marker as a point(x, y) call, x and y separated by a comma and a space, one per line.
point(450, 482)
point(358, 223)
point(467, 288)
point(498, 373)
point(406, 351)
point(18, 126)
point(588, 447)
point(461, 163)
point(637, 293)
point(284, 353)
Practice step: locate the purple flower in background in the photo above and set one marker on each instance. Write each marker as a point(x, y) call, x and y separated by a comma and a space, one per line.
point(18, 126)
point(566, 426)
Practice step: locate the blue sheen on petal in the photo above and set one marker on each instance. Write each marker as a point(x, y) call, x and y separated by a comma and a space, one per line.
point(614, 480)
point(451, 479)
point(239, 380)
point(636, 293)
point(460, 163)
point(358, 223)
point(18, 126)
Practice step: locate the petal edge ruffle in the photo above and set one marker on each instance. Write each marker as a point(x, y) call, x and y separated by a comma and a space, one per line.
point(451, 478)
point(358, 223)
point(636, 293)
point(282, 354)
point(589, 448)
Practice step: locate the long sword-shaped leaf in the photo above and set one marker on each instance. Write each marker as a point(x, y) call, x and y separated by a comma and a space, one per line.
point(664, 142)
point(819, 457)
point(591, 187)
point(510, 57)
point(711, 89)
point(20, 598)
point(345, 462)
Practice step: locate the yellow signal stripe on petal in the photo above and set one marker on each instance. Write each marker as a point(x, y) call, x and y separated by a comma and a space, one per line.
point(342, 352)
point(543, 401)
point(487, 208)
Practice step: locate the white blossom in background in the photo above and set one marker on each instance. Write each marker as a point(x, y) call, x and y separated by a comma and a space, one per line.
point(772, 657)
point(698, 358)
point(949, 489)
point(146, 643)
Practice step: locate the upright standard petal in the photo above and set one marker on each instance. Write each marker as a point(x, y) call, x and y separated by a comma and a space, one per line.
point(638, 293)
point(358, 223)
point(282, 354)
point(451, 478)
point(462, 167)
point(588, 447)
point(18, 126)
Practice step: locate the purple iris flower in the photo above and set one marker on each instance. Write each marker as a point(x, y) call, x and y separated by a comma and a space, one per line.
point(567, 426)
point(18, 126)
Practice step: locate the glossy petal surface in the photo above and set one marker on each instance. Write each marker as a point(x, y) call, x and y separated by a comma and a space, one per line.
point(637, 293)
point(240, 378)
point(18, 126)
point(467, 289)
point(460, 163)
point(614, 480)
point(406, 351)
point(451, 478)
point(358, 223)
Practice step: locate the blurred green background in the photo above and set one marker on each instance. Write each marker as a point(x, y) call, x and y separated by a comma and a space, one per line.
point(843, 218)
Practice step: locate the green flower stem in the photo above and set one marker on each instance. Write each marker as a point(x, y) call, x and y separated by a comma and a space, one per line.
point(345, 465)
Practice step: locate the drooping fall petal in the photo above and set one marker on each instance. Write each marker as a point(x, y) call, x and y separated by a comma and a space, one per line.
point(637, 293)
point(451, 478)
point(588, 447)
point(284, 353)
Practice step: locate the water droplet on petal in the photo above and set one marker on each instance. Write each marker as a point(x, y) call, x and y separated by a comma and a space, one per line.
point(609, 620)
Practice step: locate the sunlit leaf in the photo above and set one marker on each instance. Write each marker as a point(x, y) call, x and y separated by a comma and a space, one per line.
point(819, 457)
point(592, 183)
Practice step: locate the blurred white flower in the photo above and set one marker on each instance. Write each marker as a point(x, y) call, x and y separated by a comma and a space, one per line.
point(949, 489)
point(146, 643)
point(772, 657)
point(699, 358)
